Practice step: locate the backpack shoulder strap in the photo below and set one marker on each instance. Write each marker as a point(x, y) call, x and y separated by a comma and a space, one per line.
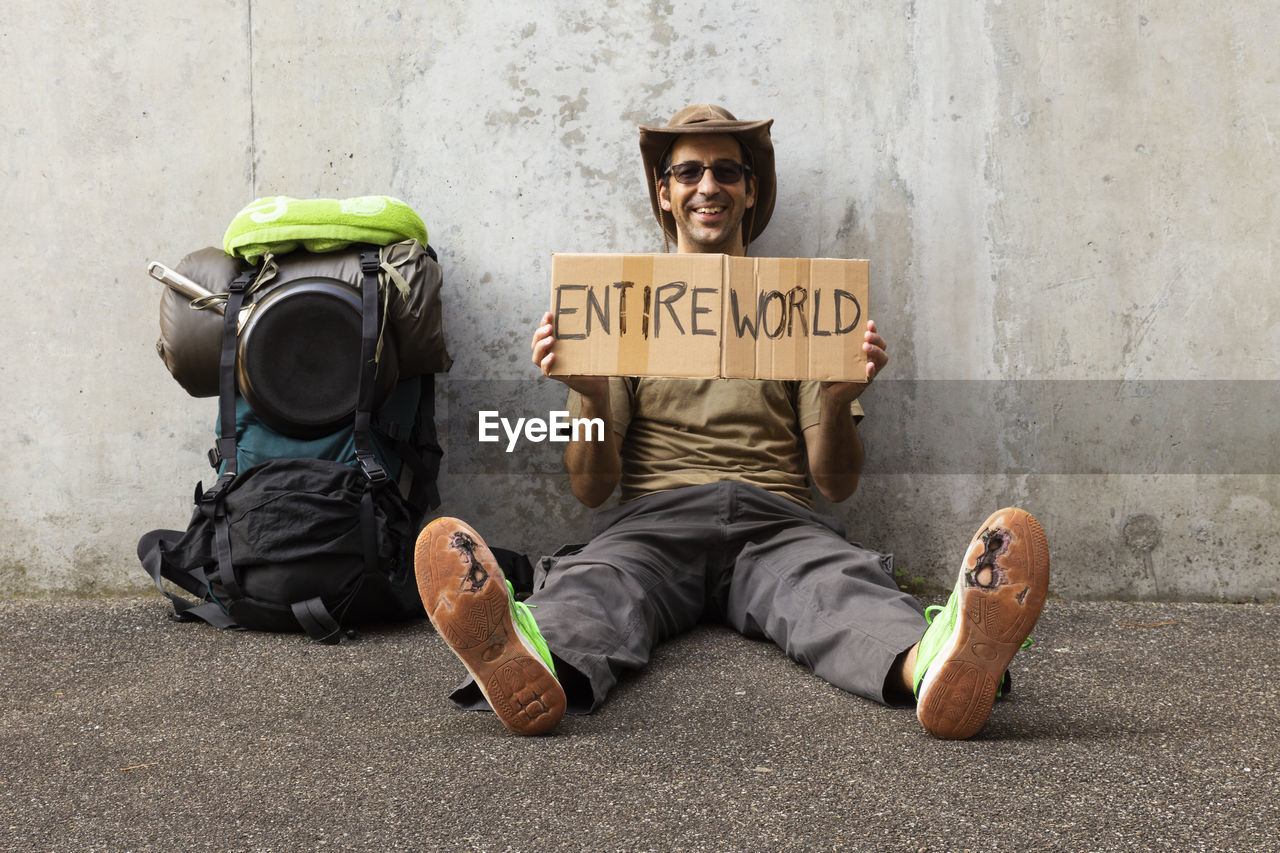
point(421, 450)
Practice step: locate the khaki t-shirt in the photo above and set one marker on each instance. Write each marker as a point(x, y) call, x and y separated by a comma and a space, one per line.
point(685, 432)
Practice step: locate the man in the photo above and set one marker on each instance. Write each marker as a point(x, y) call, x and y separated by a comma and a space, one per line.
point(715, 518)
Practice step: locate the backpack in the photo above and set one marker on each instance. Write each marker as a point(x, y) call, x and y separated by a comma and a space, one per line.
point(311, 522)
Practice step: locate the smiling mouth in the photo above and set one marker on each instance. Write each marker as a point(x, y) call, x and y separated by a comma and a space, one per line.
point(709, 210)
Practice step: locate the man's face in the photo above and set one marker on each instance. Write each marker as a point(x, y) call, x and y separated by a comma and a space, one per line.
point(708, 214)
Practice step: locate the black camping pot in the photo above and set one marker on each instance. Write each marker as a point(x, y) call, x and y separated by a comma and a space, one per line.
point(299, 356)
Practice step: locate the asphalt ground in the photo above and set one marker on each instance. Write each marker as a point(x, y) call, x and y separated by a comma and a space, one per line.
point(1130, 727)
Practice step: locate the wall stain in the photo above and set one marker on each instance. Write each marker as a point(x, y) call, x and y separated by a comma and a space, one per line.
point(1142, 536)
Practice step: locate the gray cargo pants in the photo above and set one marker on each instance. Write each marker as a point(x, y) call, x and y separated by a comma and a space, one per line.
point(729, 552)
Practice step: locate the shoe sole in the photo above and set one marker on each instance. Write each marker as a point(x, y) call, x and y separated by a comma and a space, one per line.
point(1002, 587)
point(465, 596)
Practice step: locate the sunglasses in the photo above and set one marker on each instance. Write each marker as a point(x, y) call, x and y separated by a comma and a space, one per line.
point(725, 172)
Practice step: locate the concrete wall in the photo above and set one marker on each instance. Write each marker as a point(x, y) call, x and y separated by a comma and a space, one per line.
point(1070, 202)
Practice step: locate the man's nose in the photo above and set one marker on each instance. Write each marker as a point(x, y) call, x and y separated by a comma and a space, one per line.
point(707, 183)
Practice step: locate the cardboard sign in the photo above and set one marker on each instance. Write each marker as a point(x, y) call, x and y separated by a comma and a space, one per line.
point(709, 316)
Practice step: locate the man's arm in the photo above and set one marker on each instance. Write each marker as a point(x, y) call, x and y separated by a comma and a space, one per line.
point(594, 467)
point(833, 445)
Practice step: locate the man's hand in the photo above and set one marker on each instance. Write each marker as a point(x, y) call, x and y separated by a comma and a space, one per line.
point(877, 357)
point(543, 341)
point(594, 467)
point(834, 447)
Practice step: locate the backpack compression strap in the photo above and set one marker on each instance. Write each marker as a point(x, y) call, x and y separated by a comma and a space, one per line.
point(370, 265)
point(225, 448)
point(151, 548)
point(224, 451)
point(312, 614)
point(152, 545)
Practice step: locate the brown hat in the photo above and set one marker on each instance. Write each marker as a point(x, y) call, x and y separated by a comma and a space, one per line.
point(707, 119)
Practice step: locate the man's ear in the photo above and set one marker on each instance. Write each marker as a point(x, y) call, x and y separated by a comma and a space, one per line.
point(664, 198)
point(752, 183)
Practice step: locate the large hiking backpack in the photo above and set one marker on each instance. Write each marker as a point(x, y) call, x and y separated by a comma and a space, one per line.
point(326, 450)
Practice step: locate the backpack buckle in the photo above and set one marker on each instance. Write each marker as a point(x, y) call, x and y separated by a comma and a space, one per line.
point(376, 473)
point(207, 501)
point(221, 451)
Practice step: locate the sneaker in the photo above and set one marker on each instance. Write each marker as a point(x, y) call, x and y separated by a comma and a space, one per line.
point(473, 608)
point(962, 658)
